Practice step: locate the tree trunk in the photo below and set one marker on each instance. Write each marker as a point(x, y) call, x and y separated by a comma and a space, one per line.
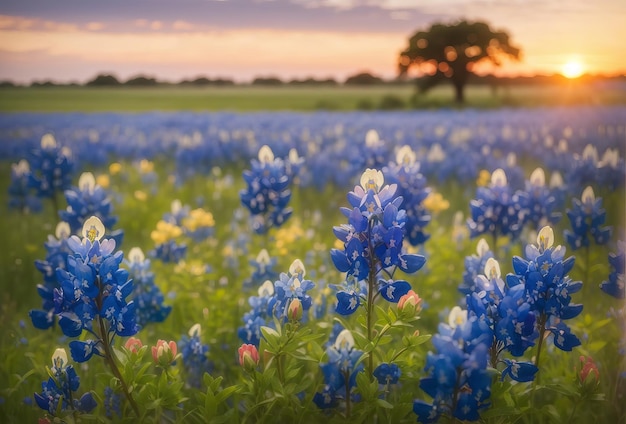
point(459, 93)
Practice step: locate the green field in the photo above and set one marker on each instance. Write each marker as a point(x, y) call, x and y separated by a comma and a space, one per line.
point(254, 98)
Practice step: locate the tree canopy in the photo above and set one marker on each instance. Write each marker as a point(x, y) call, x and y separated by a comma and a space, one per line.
point(450, 52)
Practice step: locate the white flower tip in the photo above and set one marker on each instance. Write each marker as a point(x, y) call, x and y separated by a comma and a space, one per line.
point(436, 153)
point(588, 196)
point(590, 153)
point(498, 178)
point(344, 340)
point(62, 230)
point(457, 317)
point(93, 229)
point(492, 269)
point(372, 179)
point(21, 168)
point(266, 155)
point(556, 180)
point(293, 155)
point(87, 182)
point(48, 141)
point(406, 156)
point(538, 177)
point(176, 206)
point(511, 160)
point(59, 358)
point(482, 247)
point(195, 330)
point(135, 255)
point(263, 257)
point(371, 138)
point(266, 289)
point(545, 238)
point(297, 267)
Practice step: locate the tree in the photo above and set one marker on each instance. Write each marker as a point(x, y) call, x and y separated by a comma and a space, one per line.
point(363, 78)
point(103, 80)
point(450, 52)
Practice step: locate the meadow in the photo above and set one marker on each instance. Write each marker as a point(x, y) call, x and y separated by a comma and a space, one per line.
point(185, 188)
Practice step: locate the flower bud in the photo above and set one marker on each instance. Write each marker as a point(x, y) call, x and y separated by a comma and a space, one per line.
point(133, 344)
point(248, 357)
point(164, 353)
point(587, 367)
point(410, 304)
point(294, 311)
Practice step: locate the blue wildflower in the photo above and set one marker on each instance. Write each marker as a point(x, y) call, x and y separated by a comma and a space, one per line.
point(339, 372)
point(263, 267)
point(289, 287)
point(194, 356)
point(387, 374)
point(146, 295)
point(411, 185)
point(21, 195)
point(496, 211)
point(260, 315)
point(538, 202)
point(267, 191)
point(519, 371)
point(51, 168)
point(56, 392)
point(474, 265)
point(615, 285)
point(458, 380)
point(587, 219)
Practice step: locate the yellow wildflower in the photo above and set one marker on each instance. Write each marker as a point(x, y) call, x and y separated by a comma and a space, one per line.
point(198, 218)
point(115, 168)
point(103, 181)
point(436, 203)
point(165, 232)
point(484, 177)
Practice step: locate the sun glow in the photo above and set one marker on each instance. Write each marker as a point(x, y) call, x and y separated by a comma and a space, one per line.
point(572, 69)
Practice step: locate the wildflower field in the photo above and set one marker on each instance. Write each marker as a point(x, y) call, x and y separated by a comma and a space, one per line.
point(434, 266)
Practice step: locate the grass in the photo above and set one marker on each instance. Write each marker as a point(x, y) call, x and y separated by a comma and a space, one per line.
point(252, 98)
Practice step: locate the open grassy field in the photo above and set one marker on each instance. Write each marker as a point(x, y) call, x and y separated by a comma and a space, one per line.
point(252, 98)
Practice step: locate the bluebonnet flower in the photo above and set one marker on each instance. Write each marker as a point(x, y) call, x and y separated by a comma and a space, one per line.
point(612, 171)
point(510, 323)
point(290, 286)
point(263, 269)
point(112, 403)
point(86, 200)
point(537, 200)
point(267, 191)
point(56, 258)
point(519, 371)
point(51, 168)
point(21, 194)
point(373, 243)
point(93, 287)
point(339, 372)
point(387, 374)
point(293, 165)
point(615, 285)
point(496, 211)
point(474, 265)
point(260, 315)
point(458, 380)
point(587, 219)
point(178, 213)
point(548, 289)
point(194, 356)
point(56, 393)
point(411, 185)
point(374, 151)
point(146, 295)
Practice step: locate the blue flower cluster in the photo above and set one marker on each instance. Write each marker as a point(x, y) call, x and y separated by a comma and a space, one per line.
point(267, 193)
point(615, 285)
point(458, 380)
point(86, 200)
point(57, 251)
point(372, 242)
point(474, 266)
point(273, 301)
point(547, 288)
point(146, 295)
point(194, 356)
point(263, 266)
point(339, 372)
point(51, 167)
point(540, 204)
point(587, 219)
point(496, 210)
point(21, 196)
point(411, 186)
point(56, 393)
point(92, 290)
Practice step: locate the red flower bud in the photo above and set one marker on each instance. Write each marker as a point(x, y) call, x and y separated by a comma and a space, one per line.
point(164, 353)
point(248, 356)
point(133, 344)
point(410, 304)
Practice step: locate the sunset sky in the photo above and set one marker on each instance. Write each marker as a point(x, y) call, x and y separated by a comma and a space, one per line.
point(73, 40)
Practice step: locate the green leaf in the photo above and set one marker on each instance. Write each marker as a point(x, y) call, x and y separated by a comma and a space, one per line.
point(384, 404)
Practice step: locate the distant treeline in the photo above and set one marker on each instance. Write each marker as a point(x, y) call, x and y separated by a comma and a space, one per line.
point(360, 79)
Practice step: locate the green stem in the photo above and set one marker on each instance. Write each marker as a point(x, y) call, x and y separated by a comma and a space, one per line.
point(110, 360)
point(542, 330)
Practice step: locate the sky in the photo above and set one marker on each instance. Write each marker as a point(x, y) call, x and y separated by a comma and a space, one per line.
point(171, 40)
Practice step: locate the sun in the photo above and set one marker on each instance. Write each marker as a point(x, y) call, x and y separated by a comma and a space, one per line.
point(572, 69)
